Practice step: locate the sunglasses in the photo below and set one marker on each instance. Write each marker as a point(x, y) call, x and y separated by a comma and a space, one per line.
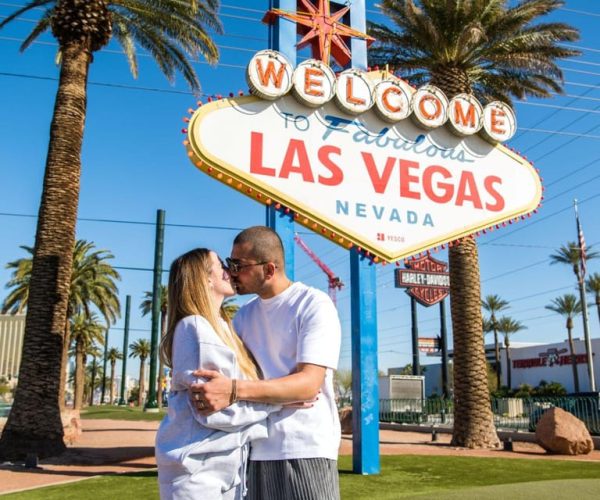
point(235, 267)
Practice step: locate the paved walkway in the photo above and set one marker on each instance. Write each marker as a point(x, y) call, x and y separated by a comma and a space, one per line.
point(117, 446)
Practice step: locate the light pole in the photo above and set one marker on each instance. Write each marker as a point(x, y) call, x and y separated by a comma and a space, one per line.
point(151, 402)
point(122, 401)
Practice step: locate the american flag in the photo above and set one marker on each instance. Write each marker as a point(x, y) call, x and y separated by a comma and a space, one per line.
point(581, 243)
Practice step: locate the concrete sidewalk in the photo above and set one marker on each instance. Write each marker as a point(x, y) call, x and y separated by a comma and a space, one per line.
point(118, 446)
point(105, 447)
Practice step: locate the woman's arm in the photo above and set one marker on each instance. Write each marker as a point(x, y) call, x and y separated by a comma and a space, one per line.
point(194, 346)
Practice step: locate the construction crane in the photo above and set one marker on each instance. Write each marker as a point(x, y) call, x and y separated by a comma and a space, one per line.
point(334, 282)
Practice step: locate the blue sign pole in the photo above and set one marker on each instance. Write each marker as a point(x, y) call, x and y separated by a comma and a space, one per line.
point(282, 37)
point(365, 390)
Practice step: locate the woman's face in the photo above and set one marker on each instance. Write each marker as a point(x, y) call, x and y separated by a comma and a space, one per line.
point(219, 278)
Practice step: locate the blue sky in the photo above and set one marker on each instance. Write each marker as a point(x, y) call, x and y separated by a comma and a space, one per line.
point(134, 163)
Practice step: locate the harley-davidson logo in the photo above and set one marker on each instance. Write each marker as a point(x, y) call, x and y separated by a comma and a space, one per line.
point(426, 279)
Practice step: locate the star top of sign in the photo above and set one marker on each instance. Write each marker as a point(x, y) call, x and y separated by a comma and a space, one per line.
point(321, 29)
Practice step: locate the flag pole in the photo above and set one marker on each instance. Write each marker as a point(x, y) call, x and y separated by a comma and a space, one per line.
point(584, 310)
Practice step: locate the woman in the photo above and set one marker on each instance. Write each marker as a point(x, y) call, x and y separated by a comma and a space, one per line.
point(204, 456)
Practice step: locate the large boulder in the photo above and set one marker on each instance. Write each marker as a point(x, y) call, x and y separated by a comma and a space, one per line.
point(346, 419)
point(558, 431)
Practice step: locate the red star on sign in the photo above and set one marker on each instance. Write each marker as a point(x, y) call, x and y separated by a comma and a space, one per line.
point(322, 30)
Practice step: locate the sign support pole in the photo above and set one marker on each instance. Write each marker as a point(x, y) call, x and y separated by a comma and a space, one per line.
point(416, 365)
point(282, 37)
point(365, 390)
point(444, 349)
point(365, 396)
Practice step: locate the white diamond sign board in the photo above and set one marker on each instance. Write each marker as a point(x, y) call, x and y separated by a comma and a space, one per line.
point(392, 189)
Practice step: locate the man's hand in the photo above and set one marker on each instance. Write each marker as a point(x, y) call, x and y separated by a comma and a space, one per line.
point(212, 395)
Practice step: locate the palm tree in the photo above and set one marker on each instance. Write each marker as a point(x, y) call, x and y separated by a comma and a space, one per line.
point(140, 349)
point(495, 51)
point(87, 333)
point(146, 308)
point(94, 373)
point(113, 355)
point(93, 283)
point(508, 326)
point(494, 304)
point(570, 254)
point(230, 307)
point(568, 306)
point(592, 285)
point(172, 32)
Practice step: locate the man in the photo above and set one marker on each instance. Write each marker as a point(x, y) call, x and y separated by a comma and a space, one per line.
point(294, 333)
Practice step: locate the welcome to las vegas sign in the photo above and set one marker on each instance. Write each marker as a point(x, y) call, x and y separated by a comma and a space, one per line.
point(363, 158)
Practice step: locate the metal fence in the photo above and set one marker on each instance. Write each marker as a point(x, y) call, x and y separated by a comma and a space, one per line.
point(509, 413)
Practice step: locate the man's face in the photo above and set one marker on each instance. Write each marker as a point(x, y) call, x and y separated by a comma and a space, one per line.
point(250, 276)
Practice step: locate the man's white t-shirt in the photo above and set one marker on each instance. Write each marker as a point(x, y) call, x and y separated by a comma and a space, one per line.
point(300, 325)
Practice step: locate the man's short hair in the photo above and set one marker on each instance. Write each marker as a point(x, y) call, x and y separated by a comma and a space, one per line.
point(266, 245)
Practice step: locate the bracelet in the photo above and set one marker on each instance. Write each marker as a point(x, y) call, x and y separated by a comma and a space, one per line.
point(233, 396)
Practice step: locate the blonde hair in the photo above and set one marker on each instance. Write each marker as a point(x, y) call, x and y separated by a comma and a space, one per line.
point(189, 294)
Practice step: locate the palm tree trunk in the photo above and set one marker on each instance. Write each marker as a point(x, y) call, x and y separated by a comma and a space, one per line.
point(64, 362)
point(497, 359)
point(79, 375)
point(573, 359)
point(161, 366)
point(473, 418)
point(112, 381)
point(141, 384)
point(508, 367)
point(34, 424)
point(93, 381)
point(598, 305)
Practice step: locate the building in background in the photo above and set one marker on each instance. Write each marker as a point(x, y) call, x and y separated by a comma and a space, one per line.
point(552, 363)
point(12, 331)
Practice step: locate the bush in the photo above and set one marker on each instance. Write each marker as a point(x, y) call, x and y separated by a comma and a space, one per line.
point(546, 389)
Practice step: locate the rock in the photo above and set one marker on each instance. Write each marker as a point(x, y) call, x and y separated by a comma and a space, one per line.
point(558, 431)
point(346, 419)
point(71, 426)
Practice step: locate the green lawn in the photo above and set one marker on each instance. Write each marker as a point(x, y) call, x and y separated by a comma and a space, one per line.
point(402, 477)
point(120, 413)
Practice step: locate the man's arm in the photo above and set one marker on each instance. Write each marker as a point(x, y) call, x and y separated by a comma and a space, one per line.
point(302, 385)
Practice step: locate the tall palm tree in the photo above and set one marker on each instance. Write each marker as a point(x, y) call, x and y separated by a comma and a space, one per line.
point(494, 304)
point(508, 326)
point(140, 349)
point(570, 255)
point(146, 308)
point(87, 333)
point(569, 307)
point(495, 51)
point(172, 32)
point(93, 284)
point(592, 285)
point(113, 355)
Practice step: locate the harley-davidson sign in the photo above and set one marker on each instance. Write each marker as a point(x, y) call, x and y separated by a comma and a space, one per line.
point(426, 279)
point(363, 158)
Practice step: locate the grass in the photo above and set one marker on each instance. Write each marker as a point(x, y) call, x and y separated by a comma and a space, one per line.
point(120, 413)
point(403, 476)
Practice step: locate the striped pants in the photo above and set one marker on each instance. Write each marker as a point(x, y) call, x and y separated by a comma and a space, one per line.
point(295, 479)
